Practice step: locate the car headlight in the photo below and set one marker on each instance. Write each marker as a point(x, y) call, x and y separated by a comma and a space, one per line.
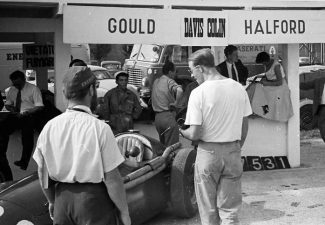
point(145, 82)
point(24, 222)
point(149, 71)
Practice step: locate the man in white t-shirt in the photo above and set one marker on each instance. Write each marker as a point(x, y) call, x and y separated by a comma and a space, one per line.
point(80, 154)
point(216, 114)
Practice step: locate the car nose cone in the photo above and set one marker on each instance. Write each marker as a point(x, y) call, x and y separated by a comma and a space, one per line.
point(2, 211)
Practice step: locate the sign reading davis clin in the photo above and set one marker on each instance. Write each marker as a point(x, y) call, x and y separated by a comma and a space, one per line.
point(131, 26)
point(204, 27)
point(275, 27)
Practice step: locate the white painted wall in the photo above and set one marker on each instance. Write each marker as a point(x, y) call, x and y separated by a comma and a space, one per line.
point(61, 63)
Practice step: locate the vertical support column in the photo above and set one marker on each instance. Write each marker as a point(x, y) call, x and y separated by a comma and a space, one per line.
point(61, 63)
point(291, 67)
point(219, 55)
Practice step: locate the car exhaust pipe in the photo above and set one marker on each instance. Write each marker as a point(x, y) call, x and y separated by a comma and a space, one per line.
point(153, 164)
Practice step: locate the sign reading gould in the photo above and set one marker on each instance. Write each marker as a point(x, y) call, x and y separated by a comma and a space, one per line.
point(115, 25)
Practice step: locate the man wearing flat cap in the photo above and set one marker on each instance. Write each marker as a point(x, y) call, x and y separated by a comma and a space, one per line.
point(121, 105)
point(79, 154)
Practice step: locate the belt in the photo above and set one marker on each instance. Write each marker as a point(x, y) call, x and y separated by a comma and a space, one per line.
point(163, 111)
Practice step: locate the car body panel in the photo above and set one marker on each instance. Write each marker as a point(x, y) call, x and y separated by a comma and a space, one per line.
point(25, 200)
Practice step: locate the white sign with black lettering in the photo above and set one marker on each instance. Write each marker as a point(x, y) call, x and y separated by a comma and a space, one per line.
point(119, 25)
point(276, 26)
point(202, 28)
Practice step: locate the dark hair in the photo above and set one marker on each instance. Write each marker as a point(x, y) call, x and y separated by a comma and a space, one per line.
point(262, 57)
point(202, 57)
point(121, 74)
point(17, 75)
point(230, 49)
point(80, 94)
point(168, 66)
point(77, 62)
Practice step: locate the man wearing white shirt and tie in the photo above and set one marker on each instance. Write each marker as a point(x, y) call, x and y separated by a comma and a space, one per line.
point(232, 67)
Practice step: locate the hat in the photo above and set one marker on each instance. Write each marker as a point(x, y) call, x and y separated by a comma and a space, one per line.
point(120, 73)
point(78, 78)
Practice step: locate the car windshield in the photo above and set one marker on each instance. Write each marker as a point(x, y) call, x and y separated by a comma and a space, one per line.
point(147, 53)
point(102, 74)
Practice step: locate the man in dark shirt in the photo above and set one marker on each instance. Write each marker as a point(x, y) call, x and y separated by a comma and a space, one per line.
point(121, 105)
point(232, 67)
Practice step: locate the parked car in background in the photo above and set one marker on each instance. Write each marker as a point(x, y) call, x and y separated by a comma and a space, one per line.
point(304, 61)
point(111, 66)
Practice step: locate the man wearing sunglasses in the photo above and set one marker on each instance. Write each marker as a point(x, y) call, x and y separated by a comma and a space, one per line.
point(216, 117)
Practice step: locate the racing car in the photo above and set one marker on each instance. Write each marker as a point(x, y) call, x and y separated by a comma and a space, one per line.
point(155, 177)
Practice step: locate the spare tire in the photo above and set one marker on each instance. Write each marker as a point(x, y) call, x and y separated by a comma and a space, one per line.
point(182, 193)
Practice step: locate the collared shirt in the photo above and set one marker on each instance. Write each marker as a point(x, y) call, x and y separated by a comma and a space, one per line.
point(119, 101)
point(77, 147)
point(30, 97)
point(219, 106)
point(164, 92)
point(232, 76)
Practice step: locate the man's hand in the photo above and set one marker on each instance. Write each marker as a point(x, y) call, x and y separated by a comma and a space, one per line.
point(51, 210)
point(125, 218)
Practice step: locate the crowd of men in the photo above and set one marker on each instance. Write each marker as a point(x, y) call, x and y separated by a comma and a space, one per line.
point(78, 157)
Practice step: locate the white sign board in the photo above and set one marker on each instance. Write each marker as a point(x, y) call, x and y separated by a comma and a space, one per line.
point(113, 25)
point(203, 28)
point(38, 56)
point(272, 26)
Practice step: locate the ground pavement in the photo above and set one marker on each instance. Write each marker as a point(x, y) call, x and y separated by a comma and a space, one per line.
point(278, 197)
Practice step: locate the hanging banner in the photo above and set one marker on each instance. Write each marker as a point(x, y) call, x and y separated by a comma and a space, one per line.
point(203, 28)
point(276, 26)
point(113, 25)
point(38, 56)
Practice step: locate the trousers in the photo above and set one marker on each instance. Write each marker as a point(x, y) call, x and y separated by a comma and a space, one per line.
point(167, 128)
point(218, 171)
point(83, 204)
point(7, 126)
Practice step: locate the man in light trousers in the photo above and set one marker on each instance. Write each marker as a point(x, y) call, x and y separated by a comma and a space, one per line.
point(216, 114)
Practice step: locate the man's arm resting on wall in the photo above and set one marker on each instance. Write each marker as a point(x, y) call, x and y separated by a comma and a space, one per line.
point(116, 191)
point(244, 131)
point(192, 133)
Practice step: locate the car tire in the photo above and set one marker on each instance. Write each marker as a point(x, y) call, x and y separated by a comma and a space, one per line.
point(182, 191)
point(306, 117)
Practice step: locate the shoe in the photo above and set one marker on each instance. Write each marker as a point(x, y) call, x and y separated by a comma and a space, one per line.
point(20, 164)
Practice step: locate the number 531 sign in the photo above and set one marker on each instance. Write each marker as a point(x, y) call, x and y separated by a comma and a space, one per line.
point(256, 163)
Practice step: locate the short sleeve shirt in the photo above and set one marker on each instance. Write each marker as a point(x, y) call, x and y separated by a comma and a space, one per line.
point(77, 147)
point(30, 97)
point(164, 92)
point(219, 106)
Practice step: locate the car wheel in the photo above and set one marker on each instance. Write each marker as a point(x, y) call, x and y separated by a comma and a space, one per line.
point(182, 191)
point(306, 117)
